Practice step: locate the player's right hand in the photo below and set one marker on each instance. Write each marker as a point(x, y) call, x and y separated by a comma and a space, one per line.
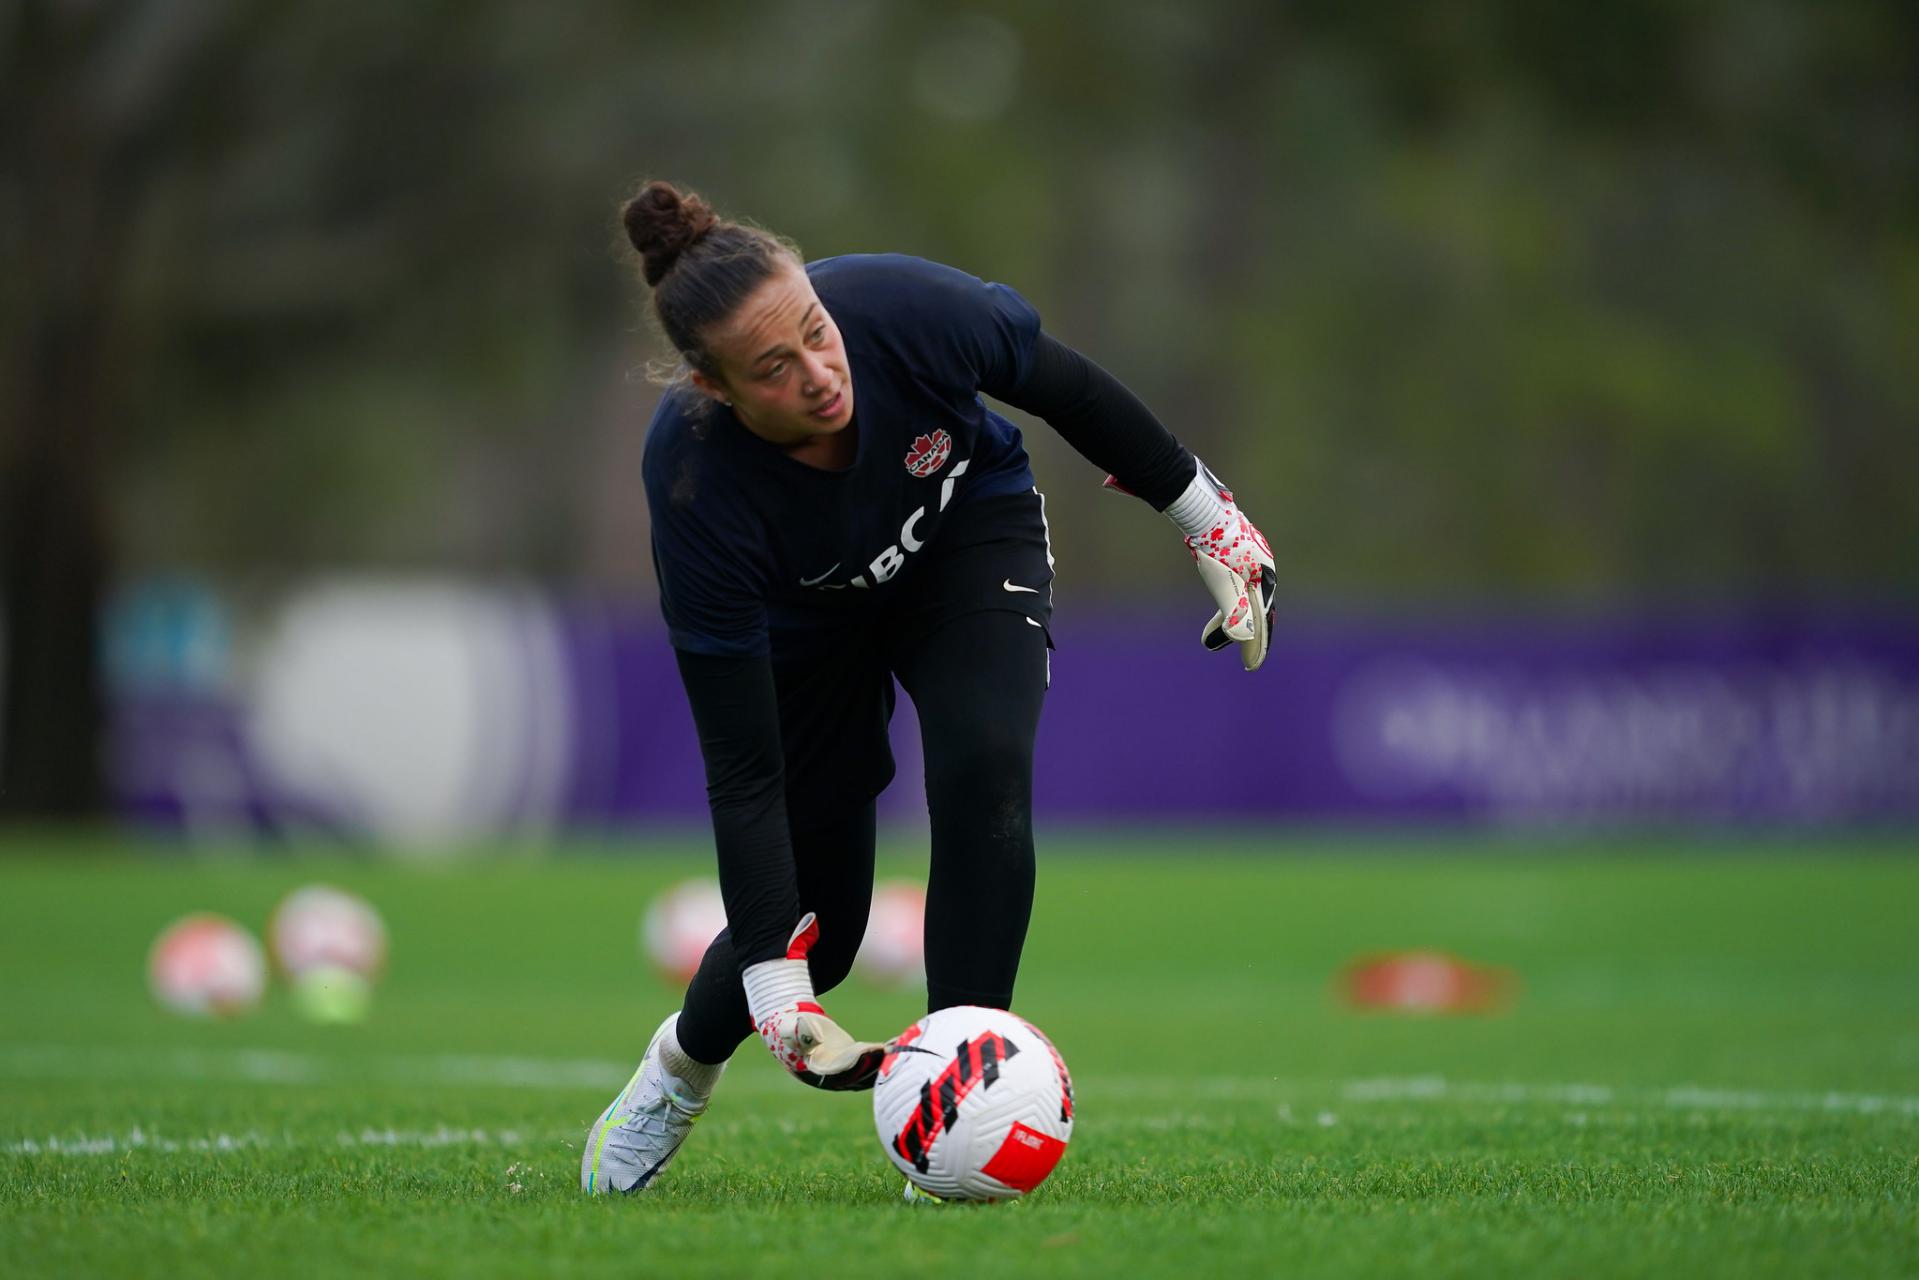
point(817, 1051)
point(812, 1047)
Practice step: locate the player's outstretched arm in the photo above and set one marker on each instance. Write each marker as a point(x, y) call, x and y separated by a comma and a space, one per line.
point(736, 711)
point(1096, 414)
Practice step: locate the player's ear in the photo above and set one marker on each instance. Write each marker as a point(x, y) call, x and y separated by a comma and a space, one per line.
point(711, 388)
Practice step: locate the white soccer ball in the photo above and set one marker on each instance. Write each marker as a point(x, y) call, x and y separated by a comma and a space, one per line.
point(680, 925)
point(207, 966)
point(974, 1104)
point(893, 953)
point(321, 927)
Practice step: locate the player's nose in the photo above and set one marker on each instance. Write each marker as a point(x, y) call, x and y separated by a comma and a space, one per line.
point(817, 375)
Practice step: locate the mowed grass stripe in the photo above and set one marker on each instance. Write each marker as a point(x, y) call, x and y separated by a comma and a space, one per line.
point(278, 1066)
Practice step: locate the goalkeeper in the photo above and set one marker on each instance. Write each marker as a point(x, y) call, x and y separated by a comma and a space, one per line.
point(833, 507)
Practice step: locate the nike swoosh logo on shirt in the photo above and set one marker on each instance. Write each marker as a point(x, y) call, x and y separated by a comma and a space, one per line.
point(814, 582)
point(1010, 586)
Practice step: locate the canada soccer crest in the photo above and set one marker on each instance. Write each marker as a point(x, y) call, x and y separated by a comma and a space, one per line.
point(928, 454)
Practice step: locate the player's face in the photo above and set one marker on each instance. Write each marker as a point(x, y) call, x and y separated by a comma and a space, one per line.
point(781, 363)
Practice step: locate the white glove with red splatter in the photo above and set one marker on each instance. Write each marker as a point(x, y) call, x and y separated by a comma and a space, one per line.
point(1234, 562)
point(807, 1043)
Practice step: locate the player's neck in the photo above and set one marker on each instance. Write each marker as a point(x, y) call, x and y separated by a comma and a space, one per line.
point(835, 452)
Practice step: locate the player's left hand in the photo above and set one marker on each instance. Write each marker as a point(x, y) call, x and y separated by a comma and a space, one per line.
point(1236, 564)
point(808, 1043)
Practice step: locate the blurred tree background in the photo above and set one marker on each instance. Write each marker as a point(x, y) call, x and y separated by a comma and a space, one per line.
point(1544, 304)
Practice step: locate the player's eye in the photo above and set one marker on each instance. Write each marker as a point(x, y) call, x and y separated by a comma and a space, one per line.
point(775, 369)
point(817, 336)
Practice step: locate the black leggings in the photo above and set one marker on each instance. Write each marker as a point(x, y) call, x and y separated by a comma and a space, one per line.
point(977, 682)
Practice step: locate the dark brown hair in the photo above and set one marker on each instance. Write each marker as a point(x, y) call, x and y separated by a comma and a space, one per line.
point(700, 265)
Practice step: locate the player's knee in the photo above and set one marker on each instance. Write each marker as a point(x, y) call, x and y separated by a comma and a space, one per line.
point(987, 803)
point(985, 755)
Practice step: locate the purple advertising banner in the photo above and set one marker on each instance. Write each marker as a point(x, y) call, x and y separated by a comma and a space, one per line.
point(1787, 721)
point(410, 717)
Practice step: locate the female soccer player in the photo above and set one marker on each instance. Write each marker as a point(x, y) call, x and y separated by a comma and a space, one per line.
point(834, 506)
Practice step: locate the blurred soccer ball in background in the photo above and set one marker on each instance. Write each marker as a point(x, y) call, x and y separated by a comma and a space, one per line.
point(678, 927)
point(332, 946)
point(893, 953)
point(205, 965)
point(319, 926)
point(974, 1104)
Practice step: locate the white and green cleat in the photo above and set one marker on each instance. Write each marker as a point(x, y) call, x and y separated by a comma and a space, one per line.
point(641, 1132)
point(916, 1195)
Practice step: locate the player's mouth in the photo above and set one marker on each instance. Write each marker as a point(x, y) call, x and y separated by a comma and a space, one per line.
point(830, 408)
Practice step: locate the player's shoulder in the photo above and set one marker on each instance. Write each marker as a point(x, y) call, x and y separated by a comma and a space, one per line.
point(941, 322)
point(678, 423)
point(889, 284)
point(677, 462)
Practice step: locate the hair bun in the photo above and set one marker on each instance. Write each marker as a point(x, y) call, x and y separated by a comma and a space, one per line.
point(663, 222)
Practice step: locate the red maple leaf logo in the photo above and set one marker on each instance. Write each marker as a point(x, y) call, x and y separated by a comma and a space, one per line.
point(928, 454)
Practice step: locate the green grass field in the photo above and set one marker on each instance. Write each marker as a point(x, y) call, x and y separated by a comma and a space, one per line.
point(1711, 1069)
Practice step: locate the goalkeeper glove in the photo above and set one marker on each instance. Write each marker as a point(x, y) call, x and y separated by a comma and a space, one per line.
point(1234, 561)
point(810, 1045)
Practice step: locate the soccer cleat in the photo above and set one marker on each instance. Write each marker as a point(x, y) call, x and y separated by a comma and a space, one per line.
point(916, 1196)
point(639, 1134)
